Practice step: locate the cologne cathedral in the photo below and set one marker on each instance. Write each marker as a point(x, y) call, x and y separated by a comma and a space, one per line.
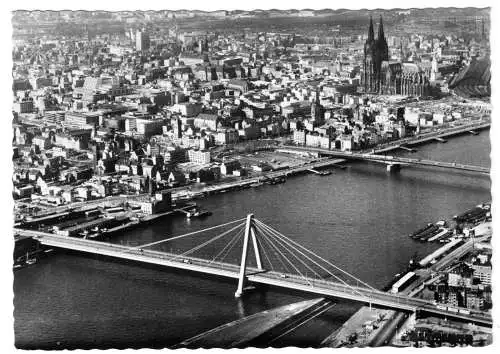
point(382, 76)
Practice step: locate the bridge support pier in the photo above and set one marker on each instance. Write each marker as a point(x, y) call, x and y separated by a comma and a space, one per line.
point(249, 233)
point(394, 167)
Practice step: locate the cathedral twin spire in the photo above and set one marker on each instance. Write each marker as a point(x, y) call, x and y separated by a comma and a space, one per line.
point(376, 51)
point(381, 35)
point(378, 47)
point(383, 79)
point(371, 35)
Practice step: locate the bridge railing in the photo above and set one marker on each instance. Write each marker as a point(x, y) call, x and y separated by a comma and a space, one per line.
point(179, 258)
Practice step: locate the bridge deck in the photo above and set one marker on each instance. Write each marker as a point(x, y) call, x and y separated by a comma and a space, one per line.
point(321, 287)
point(395, 159)
point(408, 141)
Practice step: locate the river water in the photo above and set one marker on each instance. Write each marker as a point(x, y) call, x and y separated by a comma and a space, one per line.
point(358, 218)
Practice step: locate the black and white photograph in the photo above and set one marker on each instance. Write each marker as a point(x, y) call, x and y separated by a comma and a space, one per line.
point(248, 176)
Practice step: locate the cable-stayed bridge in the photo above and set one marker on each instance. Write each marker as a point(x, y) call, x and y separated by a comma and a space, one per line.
point(252, 252)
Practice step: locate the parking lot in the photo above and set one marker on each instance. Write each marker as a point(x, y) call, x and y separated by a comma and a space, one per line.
point(275, 160)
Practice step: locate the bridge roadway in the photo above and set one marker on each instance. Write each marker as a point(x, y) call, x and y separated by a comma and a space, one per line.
point(393, 160)
point(432, 135)
point(315, 286)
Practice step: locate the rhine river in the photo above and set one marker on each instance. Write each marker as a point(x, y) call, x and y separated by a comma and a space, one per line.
point(358, 218)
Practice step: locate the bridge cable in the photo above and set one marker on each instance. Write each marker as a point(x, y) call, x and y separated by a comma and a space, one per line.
point(188, 234)
point(313, 254)
point(235, 238)
point(330, 273)
point(286, 259)
point(284, 245)
point(194, 249)
point(234, 244)
point(266, 256)
point(275, 254)
point(295, 256)
point(213, 239)
point(308, 258)
point(322, 267)
point(265, 242)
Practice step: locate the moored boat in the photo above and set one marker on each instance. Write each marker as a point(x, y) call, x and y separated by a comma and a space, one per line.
point(198, 213)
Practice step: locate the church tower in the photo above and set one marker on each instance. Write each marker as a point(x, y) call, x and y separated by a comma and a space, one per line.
point(434, 69)
point(381, 54)
point(368, 63)
point(205, 45)
point(382, 46)
point(317, 110)
point(376, 51)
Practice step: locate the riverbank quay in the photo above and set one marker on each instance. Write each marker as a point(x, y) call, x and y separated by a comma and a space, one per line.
point(58, 211)
point(431, 137)
point(376, 327)
point(186, 194)
point(94, 223)
point(428, 330)
point(408, 144)
point(361, 329)
point(247, 330)
point(279, 170)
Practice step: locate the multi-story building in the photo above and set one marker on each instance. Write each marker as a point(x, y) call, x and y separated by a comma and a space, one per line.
point(346, 142)
point(460, 277)
point(80, 120)
point(228, 167)
point(42, 142)
point(299, 137)
point(227, 136)
point(199, 156)
point(74, 139)
point(149, 127)
point(175, 156)
point(204, 120)
point(142, 41)
point(186, 109)
point(482, 272)
point(474, 300)
point(24, 106)
point(160, 202)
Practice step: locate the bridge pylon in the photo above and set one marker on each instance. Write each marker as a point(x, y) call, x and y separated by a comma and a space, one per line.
point(249, 234)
